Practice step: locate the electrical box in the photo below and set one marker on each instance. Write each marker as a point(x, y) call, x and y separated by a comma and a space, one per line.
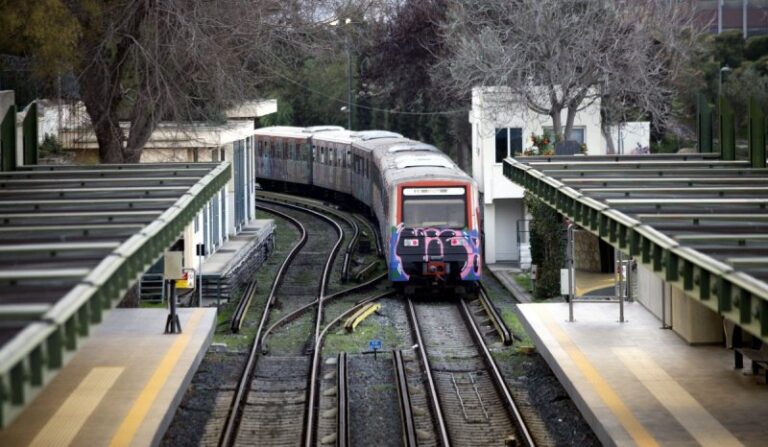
point(534, 272)
point(173, 265)
point(564, 282)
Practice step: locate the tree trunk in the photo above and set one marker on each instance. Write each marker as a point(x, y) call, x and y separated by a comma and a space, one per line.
point(557, 124)
point(570, 118)
point(605, 128)
point(98, 95)
point(142, 125)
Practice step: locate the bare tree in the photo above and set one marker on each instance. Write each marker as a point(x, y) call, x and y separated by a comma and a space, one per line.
point(142, 61)
point(562, 55)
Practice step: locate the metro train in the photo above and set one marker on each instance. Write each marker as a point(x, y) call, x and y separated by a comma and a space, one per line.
point(426, 207)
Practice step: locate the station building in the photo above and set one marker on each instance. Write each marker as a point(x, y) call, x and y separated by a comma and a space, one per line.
point(227, 214)
point(500, 129)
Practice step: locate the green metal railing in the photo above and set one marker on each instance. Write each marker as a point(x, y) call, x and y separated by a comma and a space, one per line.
point(735, 295)
point(8, 141)
point(44, 346)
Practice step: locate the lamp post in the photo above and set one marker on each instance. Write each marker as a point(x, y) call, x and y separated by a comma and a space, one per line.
point(347, 21)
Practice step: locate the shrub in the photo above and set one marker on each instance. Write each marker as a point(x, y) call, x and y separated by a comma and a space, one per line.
point(547, 246)
point(756, 47)
point(50, 146)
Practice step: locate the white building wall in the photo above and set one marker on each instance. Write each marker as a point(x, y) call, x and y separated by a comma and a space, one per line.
point(632, 137)
point(503, 199)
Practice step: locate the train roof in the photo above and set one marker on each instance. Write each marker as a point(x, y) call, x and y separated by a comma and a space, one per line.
point(318, 129)
point(409, 160)
point(412, 146)
point(367, 135)
point(335, 136)
point(282, 131)
point(295, 131)
point(419, 160)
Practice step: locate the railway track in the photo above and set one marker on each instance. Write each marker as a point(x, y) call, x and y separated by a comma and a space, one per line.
point(271, 404)
point(469, 398)
point(351, 222)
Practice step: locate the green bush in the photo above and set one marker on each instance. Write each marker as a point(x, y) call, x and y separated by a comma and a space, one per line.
point(756, 47)
point(547, 247)
point(729, 48)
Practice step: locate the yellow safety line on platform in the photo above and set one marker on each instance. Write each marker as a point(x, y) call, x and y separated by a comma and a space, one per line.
point(62, 428)
point(685, 408)
point(634, 428)
point(143, 403)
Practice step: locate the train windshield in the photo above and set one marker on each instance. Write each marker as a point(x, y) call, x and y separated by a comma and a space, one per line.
point(434, 208)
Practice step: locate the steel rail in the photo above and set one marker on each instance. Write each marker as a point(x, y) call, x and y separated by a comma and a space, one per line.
point(342, 392)
point(375, 236)
point(244, 304)
point(493, 314)
point(316, 355)
point(351, 246)
point(409, 425)
point(243, 386)
point(350, 249)
point(498, 379)
point(309, 429)
point(294, 314)
point(442, 426)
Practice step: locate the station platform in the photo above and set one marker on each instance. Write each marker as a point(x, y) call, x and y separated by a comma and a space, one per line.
point(239, 257)
point(233, 251)
point(637, 384)
point(587, 283)
point(123, 385)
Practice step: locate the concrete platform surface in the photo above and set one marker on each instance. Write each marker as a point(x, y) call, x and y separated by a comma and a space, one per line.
point(230, 253)
point(637, 384)
point(122, 387)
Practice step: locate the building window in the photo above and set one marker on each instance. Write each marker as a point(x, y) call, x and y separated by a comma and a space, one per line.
point(509, 140)
point(577, 134)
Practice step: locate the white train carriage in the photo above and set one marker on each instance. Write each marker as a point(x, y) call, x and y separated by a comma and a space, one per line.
point(283, 153)
point(427, 208)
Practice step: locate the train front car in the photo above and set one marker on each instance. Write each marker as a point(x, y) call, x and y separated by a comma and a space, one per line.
point(435, 236)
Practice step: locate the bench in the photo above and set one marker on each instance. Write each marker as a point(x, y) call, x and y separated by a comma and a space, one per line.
point(758, 356)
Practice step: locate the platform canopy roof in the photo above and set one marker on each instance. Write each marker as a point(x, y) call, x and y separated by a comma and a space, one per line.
point(697, 221)
point(73, 239)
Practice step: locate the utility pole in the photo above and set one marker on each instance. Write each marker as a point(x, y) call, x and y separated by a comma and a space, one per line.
point(347, 43)
point(744, 17)
point(349, 82)
point(719, 17)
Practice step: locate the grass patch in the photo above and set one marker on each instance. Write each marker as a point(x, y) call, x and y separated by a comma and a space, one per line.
point(514, 325)
point(503, 301)
point(524, 280)
point(153, 305)
point(291, 337)
point(339, 340)
point(285, 237)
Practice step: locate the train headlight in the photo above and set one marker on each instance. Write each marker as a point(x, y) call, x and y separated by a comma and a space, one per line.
point(411, 242)
point(457, 242)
